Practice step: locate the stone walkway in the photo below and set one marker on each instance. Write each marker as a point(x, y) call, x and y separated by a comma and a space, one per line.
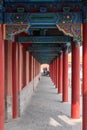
point(45, 111)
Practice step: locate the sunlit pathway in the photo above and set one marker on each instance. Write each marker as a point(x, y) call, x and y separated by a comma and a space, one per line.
point(45, 111)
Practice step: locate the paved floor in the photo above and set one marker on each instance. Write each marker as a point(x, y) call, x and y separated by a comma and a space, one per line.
point(45, 111)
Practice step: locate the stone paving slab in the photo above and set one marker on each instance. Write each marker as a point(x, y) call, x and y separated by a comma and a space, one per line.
point(46, 111)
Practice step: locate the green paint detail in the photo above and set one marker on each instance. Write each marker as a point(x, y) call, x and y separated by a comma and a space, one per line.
point(44, 39)
point(40, 16)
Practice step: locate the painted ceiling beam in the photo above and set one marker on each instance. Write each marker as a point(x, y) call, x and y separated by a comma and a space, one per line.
point(44, 39)
point(42, 19)
point(34, 27)
point(45, 56)
point(44, 49)
point(47, 45)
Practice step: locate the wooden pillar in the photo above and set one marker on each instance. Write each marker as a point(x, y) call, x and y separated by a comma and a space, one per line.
point(84, 76)
point(75, 105)
point(31, 68)
point(1, 79)
point(60, 73)
point(54, 72)
point(15, 78)
point(30, 64)
point(27, 67)
point(20, 67)
point(8, 74)
point(50, 70)
point(6, 77)
point(24, 67)
point(65, 76)
point(57, 71)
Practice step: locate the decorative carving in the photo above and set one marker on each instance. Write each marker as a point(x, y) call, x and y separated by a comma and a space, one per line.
point(73, 30)
point(69, 17)
point(12, 30)
point(17, 18)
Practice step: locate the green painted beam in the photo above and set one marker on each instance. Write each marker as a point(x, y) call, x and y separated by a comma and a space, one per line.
point(34, 27)
point(46, 54)
point(48, 45)
point(43, 39)
point(51, 50)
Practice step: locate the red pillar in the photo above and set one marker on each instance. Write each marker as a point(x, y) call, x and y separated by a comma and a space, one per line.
point(60, 73)
point(24, 67)
point(65, 76)
point(15, 78)
point(85, 76)
point(30, 66)
point(27, 67)
point(1, 80)
point(20, 67)
point(6, 76)
point(53, 72)
point(57, 70)
point(75, 106)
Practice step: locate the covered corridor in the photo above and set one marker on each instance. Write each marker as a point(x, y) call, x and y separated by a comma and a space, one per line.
point(36, 32)
point(46, 111)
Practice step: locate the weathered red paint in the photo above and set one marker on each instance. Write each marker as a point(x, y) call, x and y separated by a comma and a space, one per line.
point(65, 76)
point(1, 80)
point(15, 79)
point(84, 76)
point(75, 105)
point(60, 73)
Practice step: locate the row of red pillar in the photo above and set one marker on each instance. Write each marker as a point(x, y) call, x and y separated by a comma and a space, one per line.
point(59, 75)
point(34, 70)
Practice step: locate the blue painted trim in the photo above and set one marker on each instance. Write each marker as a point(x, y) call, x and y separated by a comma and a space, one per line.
point(42, 18)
